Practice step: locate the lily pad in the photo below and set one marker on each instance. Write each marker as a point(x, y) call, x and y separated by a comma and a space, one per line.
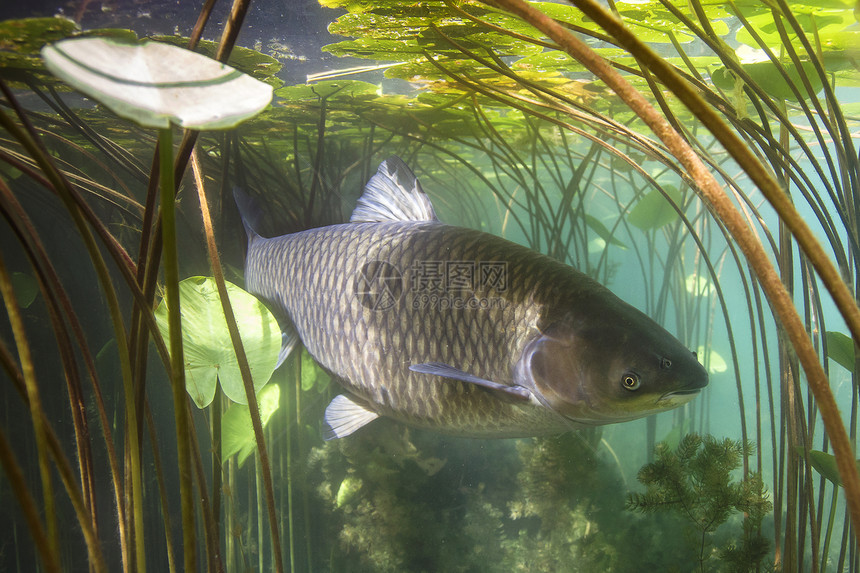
point(767, 76)
point(246, 60)
point(209, 354)
point(312, 374)
point(712, 358)
point(653, 210)
point(237, 431)
point(156, 84)
point(699, 285)
point(329, 89)
point(21, 40)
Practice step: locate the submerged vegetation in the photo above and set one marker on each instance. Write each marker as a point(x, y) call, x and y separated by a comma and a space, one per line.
point(533, 121)
point(695, 482)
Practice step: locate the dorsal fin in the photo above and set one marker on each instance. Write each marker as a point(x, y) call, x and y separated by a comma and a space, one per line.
point(393, 194)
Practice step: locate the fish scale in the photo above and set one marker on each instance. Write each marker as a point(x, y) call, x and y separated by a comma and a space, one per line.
point(544, 351)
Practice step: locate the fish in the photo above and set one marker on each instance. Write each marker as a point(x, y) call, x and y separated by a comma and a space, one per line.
point(457, 330)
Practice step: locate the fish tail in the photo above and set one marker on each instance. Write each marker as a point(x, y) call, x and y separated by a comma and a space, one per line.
point(252, 215)
point(250, 211)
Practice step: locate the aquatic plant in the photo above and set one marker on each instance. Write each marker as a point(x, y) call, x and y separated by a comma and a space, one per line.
point(695, 482)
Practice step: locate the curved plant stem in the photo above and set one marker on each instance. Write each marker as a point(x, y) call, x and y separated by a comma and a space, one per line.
point(723, 208)
point(81, 216)
point(253, 408)
point(177, 360)
point(34, 400)
point(28, 505)
point(159, 476)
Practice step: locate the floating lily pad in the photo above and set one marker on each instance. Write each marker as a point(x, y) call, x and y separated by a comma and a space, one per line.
point(334, 89)
point(828, 21)
point(21, 40)
point(209, 354)
point(156, 84)
point(237, 431)
point(246, 60)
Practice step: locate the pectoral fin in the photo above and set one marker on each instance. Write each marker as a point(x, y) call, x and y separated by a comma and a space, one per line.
point(447, 371)
point(344, 415)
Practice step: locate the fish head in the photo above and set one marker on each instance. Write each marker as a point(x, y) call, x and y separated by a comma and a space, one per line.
point(611, 366)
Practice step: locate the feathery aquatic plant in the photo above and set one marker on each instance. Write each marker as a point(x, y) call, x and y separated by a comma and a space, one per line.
point(695, 482)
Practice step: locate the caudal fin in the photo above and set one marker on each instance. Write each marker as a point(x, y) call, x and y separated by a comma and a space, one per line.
point(249, 210)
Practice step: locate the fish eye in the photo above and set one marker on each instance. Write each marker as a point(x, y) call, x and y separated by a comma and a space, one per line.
point(630, 381)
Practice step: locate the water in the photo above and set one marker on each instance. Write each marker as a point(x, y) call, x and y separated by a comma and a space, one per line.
point(557, 163)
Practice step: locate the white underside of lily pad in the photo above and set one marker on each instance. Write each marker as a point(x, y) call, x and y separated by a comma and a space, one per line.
point(157, 84)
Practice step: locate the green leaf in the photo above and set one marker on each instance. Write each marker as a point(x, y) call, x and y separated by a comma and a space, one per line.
point(156, 84)
point(21, 40)
point(26, 288)
point(209, 354)
point(673, 436)
point(331, 90)
point(766, 75)
point(840, 348)
point(653, 210)
point(237, 431)
point(825, 464)
point(246, 60)
point(347, 491)
point(830, 23)
point(312, 374)
point(602, 231)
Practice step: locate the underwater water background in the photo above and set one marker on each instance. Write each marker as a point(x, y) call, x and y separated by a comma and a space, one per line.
point(507, 135)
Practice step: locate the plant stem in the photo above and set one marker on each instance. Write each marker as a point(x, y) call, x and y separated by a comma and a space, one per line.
point(49, 535)
point(244, 369)
point(217, 462)
point(177, 358)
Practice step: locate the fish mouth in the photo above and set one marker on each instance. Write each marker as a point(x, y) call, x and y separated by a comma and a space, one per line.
point(684, 395)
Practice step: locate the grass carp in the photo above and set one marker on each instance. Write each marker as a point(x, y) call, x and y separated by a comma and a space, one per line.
point(458, 330)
